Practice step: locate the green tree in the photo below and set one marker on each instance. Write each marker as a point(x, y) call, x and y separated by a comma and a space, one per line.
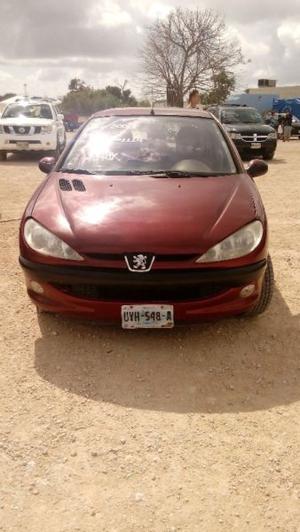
point(88, 100)
point(223, 84)
point(77, 84)
point(123, 95)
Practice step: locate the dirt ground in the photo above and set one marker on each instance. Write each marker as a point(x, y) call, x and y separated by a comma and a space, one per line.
point(194, 429)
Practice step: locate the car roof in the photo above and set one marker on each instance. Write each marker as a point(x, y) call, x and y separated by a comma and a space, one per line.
point(156, 111)
point(25, 101)
point(231, 107)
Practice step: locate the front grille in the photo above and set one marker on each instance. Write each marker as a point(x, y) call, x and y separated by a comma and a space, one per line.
point(158, 258)
point(254, 137)
point(22, 130)
point(142, 293)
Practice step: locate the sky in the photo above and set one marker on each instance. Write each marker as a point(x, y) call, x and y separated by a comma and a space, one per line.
point(45, 43)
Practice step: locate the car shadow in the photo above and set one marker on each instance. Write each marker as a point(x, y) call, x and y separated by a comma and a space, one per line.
point(276, 161)
point(20, 159)
point(237, 365)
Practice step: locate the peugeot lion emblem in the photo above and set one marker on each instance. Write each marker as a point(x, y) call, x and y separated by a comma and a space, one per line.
point(139, 262)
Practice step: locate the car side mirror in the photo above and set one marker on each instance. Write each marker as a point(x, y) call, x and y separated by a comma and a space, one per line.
point(256, 168)
point(60, 116)
point(47, 164)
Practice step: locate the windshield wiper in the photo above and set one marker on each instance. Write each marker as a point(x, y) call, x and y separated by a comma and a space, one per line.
point(157, 173)
point(177, 173)
point(76, 171)
point(152, 173)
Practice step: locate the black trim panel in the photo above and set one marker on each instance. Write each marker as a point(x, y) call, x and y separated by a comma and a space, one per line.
point(85, 274)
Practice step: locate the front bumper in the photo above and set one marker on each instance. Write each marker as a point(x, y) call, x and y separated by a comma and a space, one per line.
point(28, 143)
point(244, 148)
point(100, 294)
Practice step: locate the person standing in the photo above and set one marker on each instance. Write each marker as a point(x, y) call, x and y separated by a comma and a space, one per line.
point(287, 127)
point(194, 101)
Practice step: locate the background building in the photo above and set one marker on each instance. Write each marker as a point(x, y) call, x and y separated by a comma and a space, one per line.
point(269, 86)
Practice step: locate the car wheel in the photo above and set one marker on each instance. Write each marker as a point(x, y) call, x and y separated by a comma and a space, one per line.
point(3, 155)
point(269, 156)
point(266, 291)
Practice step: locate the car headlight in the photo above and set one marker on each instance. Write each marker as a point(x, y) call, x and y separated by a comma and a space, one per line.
point(234, 135)
point(46, 243)
point(239, 244)
point(272, 135)
point(46, 129)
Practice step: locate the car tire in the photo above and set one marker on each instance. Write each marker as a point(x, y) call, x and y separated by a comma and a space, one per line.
point(269, 156)
point(3, 155)
point(266, 291)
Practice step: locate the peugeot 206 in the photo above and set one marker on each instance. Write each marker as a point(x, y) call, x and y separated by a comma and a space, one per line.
point(148, 219)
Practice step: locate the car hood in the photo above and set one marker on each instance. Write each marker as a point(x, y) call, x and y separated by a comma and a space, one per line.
point(119, 214)
point(255, 128)
point(21, 121)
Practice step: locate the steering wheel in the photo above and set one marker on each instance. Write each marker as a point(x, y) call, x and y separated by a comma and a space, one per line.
point(191, 165)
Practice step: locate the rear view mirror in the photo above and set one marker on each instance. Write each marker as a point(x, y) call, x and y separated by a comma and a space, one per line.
point(61, 116)
point(256, 168)
point(47, 164)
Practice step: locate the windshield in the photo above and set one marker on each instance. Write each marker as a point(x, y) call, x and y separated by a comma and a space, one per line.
point(18, 110)
point(241, 116)
point(151, 143)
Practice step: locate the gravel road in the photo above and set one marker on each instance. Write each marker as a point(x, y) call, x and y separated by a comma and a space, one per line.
point(195, 429)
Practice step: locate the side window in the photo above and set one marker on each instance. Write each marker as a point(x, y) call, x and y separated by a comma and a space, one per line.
point(45, 111)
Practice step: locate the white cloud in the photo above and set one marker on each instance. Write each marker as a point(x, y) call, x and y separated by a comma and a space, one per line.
point(46, 43)
point(109, 14)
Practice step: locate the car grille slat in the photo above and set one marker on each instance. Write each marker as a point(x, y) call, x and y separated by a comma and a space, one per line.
point(249, 136)
point(142, 293)
point(22, 130)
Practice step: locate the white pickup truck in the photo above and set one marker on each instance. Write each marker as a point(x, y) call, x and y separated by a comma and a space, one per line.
point(31, 126)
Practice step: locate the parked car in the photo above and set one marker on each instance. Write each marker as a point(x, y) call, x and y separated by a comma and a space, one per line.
point(296, 127)
point(31, 126)
point(248, 131)
point(151, 220)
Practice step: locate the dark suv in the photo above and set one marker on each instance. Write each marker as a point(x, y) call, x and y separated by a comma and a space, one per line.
point(247, 130)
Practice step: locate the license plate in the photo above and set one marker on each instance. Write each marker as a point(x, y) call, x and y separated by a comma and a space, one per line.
point(256, 145)
point(23, 145)
point(147, 316)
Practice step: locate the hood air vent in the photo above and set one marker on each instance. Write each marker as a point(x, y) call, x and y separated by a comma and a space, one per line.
point(78, 185)
point(66, 186)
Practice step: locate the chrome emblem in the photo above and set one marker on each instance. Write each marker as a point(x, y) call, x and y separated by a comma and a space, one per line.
point(22, 130)
point(255, 137)
point(139, 262)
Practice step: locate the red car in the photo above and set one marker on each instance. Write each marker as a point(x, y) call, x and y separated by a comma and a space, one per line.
point(148, 219)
